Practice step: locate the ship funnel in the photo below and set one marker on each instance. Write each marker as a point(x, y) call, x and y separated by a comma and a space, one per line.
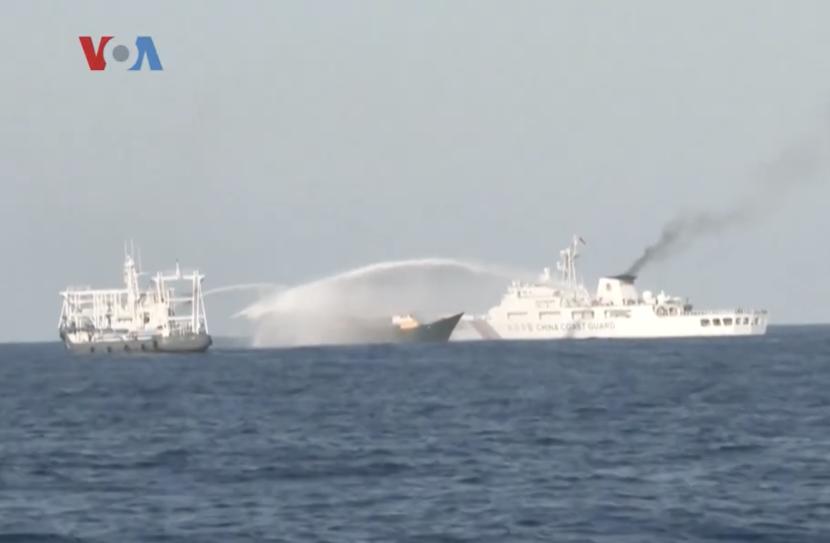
point(617, 290)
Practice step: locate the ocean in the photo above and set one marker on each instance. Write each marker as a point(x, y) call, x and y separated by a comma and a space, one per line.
point(589, 441)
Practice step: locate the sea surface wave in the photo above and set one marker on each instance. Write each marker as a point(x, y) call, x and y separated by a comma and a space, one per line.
point(601, 441)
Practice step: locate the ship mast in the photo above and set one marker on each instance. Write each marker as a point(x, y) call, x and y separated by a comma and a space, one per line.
point(567, 262)
point(131, 284)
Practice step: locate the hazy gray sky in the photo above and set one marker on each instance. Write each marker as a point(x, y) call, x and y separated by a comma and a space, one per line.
point(288, 140)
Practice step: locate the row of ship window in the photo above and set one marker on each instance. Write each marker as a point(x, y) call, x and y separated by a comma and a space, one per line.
point(726, 321)
point(575, 315)
point(618, 313)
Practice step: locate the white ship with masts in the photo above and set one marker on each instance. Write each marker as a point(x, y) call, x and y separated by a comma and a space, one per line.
point(166, 316)
point(561, 307)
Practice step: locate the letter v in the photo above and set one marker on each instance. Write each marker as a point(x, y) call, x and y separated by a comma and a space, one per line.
point(94, 58)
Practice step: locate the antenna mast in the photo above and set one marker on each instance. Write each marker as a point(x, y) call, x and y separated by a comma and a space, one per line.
point(567, 261)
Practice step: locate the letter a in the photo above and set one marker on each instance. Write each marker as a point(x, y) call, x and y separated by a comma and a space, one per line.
point(145, 46)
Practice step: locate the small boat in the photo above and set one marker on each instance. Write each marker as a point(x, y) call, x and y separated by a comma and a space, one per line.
point(400, 329)
point(407, 329)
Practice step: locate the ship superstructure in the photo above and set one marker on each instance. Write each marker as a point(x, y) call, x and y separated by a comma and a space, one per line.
point(561, 307)
point(167, 315)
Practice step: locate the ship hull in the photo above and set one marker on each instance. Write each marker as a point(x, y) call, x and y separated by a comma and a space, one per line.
point(195, 343)
point(680, 326)
point(433, 332)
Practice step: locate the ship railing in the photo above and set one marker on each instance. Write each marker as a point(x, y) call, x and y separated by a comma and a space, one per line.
point(87, 291)
point(739, 311)
point(75, 288)
point(181, 327)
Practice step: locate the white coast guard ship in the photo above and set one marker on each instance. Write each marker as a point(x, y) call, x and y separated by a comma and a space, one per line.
point(558, 308)
point(167, 316)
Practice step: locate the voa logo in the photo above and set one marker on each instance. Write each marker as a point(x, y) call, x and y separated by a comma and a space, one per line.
point(144, 49)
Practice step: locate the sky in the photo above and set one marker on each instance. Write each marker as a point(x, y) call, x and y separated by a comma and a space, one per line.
point(285, 141)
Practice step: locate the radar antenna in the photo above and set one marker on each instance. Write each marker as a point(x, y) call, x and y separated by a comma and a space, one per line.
point(567, 261)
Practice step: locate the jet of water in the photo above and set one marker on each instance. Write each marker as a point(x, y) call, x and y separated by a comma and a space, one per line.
point(242, 287)
point(319, 311)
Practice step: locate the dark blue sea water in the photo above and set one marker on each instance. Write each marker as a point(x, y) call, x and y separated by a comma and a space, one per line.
point(635, 441)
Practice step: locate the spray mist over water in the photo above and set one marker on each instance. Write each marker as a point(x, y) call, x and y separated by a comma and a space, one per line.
point(260, 287)
point(797, 167)
point(321, 311)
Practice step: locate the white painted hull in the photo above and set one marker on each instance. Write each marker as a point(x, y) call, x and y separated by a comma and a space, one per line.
point(186, 343)
point(643, 326)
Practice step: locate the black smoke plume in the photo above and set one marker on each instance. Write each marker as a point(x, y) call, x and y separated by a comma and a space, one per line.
point(797, 167)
